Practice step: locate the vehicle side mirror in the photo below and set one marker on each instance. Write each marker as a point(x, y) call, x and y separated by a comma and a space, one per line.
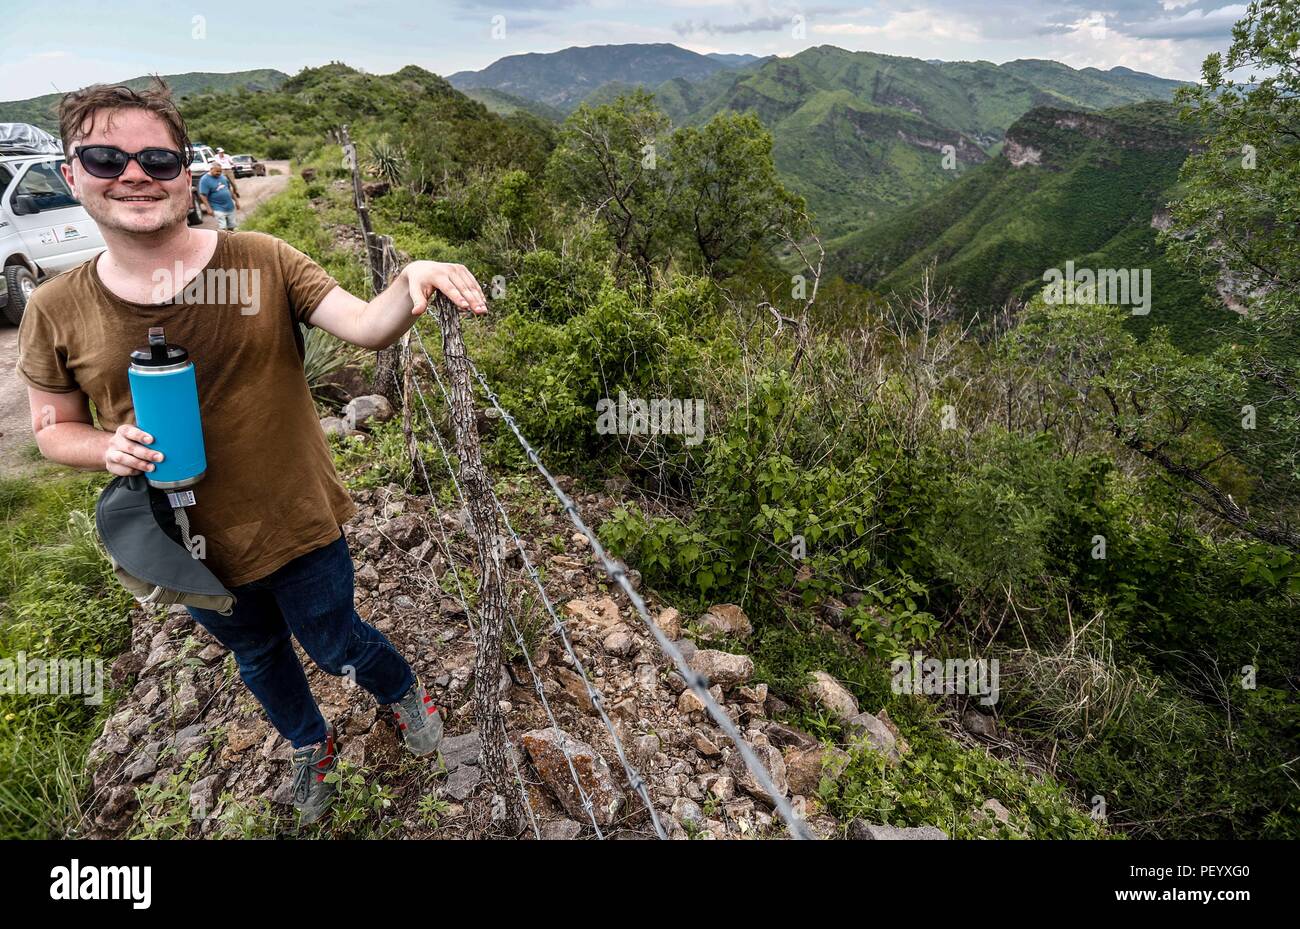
point(25, 204)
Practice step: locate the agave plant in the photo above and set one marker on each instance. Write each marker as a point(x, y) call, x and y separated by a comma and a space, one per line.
point(324, 356)
point(386, 160)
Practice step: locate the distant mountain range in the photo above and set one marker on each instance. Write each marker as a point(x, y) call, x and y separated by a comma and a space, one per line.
point(565, 78)
point(40, 111)
point(862, 136)
point(1091, 188)
point(504, 104)
point(858, 134)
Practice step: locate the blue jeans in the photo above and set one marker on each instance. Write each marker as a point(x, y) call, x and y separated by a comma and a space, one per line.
point(310, 597)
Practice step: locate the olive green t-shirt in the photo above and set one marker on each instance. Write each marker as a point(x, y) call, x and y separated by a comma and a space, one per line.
point(271, 492)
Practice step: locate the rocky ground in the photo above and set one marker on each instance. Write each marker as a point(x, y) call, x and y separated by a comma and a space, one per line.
point(189, 729)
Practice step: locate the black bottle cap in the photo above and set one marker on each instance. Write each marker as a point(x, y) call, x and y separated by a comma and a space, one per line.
point(158, 353)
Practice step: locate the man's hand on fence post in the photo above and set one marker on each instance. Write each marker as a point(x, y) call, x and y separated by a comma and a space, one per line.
point(427, 278)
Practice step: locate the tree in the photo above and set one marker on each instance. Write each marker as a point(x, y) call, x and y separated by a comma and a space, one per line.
point(1223, 428)
point(729, 197)
point(1238, 223)
point(607, 163)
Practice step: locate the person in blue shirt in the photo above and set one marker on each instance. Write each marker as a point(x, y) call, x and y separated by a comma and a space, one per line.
point(219, 196)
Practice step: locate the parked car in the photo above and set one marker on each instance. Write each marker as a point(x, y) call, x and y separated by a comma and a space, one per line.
point(248, 166)
point(44, 229)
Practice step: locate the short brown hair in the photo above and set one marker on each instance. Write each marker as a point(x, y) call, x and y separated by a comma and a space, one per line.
point(79, 108)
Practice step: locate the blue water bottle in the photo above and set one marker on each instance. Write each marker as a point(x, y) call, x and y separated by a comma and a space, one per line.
point(166, 399)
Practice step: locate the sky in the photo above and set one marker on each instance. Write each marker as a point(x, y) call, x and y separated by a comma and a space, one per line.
point(78, 42)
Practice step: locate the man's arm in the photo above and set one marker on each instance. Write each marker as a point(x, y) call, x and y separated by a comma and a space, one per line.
point(64, 433)
point(379, 323)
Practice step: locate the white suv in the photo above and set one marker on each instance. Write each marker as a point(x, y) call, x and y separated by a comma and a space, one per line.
point(43, 228)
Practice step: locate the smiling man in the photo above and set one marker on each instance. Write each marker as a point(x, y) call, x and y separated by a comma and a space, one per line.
point(271, 507)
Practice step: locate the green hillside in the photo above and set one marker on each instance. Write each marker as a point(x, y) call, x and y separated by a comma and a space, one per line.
point(1092, 87)
point(566, 78)
point(859, 134)
point(40, 111)
point(504, 104)
point(413, 105)
point(1067, 186)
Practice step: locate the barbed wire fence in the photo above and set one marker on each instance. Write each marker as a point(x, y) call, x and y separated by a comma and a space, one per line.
point(461, 458)
point(635, 779)
point(396, 378)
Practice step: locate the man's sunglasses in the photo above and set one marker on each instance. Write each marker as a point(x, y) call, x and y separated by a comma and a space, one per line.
point(162, 164)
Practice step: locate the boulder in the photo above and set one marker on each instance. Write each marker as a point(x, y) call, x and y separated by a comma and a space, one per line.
point(875, 733)
point(462, 781)
point(406, 531)
point(783, 736)
point(334, 425)
point(992, 808)
point(861, 830)
point(768, 757)
point(457, 750)
point(547, 748)
point(722, 668)
point(688, 813)
point(601, 613)
point(976, 723)
point(619, 643)
point(829, 693)
point(561, 830)
point(670, 623)
point(726, 619)
point(805, 768)
point(372, 408)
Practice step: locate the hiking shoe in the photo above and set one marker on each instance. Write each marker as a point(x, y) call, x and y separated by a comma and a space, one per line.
point(418, 719)
point(312, 795)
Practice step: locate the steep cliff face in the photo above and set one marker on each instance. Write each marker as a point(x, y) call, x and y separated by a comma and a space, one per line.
point(1020, 155)
point(1066, 134)
point(1087, 187)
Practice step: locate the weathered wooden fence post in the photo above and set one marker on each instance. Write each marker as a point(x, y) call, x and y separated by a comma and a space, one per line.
point(382, 264)
point(491, 589)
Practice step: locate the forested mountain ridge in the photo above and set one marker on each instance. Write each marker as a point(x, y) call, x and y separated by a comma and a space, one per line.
point(1067, 186)
point(858, 134)
point(40, 111)
point(565, 78)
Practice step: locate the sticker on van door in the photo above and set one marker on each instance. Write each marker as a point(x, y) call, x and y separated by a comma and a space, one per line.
point(70, 232)
point(48, 237)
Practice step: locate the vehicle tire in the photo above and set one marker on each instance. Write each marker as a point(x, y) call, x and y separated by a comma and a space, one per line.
point(196, 211)
point(20, 283)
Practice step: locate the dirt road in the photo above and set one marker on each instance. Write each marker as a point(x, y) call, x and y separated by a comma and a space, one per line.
point(253, 190)
point(17, 447)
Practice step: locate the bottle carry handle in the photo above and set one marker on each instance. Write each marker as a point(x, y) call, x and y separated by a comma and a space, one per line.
point(157, 344)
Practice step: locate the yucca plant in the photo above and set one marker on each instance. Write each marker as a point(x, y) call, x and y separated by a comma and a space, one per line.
point(324, 356)
point(386, 160)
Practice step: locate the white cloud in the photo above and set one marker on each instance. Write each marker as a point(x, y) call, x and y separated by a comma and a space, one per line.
point(922, 25)
point(1194, 24)
point(1092, 42)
